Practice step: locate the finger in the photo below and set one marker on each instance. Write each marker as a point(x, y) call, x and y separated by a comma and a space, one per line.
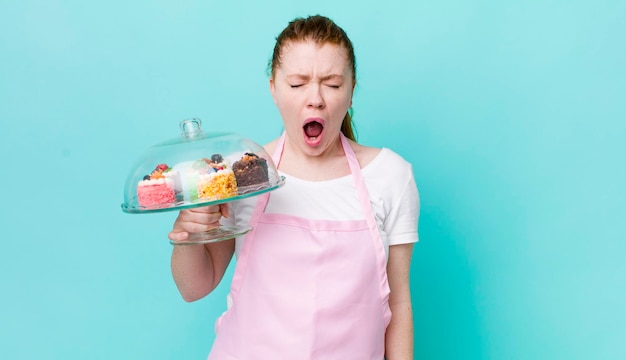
point(178, 235)
point(192, 222)
point(203, 209)
point(215, 212)
point(197, 214)
point(195, 227)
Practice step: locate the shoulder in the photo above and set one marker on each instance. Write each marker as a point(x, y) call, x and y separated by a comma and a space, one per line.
point(390, 173)
point(365, 154)
point(395, 159)
point(390, 160)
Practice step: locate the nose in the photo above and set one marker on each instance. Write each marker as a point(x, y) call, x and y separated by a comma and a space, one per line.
point(316, 100)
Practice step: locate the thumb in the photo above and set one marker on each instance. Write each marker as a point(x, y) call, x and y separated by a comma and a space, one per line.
point(178, 235)
point(225, 210)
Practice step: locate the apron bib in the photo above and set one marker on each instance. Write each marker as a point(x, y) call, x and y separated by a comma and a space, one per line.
point(307, 289)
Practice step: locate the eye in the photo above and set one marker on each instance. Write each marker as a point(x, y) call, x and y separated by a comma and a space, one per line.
point(295, 86)
point(333, 86)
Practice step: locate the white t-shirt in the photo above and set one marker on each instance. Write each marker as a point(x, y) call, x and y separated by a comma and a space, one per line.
point(390, 184)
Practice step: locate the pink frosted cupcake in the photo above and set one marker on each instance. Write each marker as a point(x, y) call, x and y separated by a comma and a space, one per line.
point(156, 192)
point(156, 189)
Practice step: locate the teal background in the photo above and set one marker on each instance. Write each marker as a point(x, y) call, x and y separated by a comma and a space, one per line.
point(512, 114)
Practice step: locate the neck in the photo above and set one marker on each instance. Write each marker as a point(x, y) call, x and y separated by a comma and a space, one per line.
point(329, 164)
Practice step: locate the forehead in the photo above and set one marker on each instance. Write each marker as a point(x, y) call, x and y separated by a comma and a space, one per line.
point(307, 55)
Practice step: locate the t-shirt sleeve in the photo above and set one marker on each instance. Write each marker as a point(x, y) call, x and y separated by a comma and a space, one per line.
point(402, 219)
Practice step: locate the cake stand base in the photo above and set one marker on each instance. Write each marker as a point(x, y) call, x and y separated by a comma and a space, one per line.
point(214, 235)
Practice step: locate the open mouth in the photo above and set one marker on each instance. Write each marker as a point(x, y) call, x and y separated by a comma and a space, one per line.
point(313, 128)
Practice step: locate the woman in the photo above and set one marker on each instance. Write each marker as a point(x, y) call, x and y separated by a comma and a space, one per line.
point(325, 272)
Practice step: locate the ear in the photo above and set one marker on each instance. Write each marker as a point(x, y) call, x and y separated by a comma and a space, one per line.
point(352, 93)
point(273, 90)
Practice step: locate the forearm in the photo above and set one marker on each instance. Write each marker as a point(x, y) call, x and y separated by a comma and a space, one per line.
point(198, 269)
point(399, 335)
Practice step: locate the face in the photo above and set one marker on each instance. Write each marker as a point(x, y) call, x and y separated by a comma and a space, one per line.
point(313, 89)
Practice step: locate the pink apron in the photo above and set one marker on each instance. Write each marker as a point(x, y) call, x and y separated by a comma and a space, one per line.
point(308, 289)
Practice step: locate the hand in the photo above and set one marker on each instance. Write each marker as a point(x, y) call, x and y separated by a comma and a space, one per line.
point(197, 220)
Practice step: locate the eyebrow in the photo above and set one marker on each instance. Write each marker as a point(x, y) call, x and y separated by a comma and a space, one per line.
point(307, 77)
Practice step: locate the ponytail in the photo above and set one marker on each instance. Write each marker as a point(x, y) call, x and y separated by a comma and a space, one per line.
point(346, 126)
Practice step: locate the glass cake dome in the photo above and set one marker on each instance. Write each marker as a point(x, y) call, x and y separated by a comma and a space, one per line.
point(199, 169)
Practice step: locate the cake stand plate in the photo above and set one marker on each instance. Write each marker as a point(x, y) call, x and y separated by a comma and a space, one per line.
point(133, 206)
point(214, 235)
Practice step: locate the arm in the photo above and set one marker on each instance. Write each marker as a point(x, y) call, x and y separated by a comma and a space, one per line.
point(198, 269)
point(399, 335)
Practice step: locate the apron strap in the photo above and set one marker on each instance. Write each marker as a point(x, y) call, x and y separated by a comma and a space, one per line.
point(278, 152)
point(368, 211)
